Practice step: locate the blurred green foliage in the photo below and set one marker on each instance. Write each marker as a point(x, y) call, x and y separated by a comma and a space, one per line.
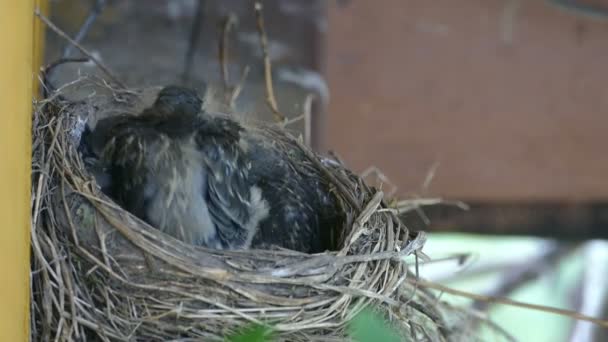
point(252, 333)
point(367, 326)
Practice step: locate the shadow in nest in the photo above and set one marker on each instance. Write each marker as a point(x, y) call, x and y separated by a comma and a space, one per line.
point(100, 271)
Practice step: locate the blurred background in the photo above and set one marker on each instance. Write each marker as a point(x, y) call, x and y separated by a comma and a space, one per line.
point(500, 104)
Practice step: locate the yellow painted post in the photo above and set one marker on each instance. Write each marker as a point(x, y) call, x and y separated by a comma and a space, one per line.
point(18, 65)
point(39, 29)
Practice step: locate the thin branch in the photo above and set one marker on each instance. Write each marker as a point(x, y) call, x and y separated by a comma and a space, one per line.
point(507, 301)
point(516, 277)
point(592, 290)
point(195, 33)
point(239, 86)
point(293, 120)
point(381, 178)
point(47, 85)
point(86, 26)
point(84, 51)
point(306, 116)
point(270, 98)
point(482, 317)
point(229, 21)
point(308, 119)
point(430, 176)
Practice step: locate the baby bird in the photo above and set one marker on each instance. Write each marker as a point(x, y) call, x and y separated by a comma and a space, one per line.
point(209, 180)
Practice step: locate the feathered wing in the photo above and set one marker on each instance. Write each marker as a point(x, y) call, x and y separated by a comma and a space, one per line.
point(132, 147)
point(235, 205)
point(120, 143)
point(304, 213)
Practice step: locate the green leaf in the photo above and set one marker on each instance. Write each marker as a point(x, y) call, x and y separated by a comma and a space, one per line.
point(370, 327)
point(252, 333)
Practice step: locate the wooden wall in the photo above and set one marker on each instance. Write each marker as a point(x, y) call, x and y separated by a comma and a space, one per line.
point(509, 97)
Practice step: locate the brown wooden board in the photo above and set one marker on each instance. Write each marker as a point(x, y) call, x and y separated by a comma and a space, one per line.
point(510, 98)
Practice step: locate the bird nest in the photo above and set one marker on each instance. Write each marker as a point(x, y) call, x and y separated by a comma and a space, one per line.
point(100, 273)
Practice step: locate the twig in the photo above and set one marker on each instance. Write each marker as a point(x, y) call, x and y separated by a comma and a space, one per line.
point(492, 325)
point(430, 176)
point(195, 32)
point(519, 276)
point(460, 258)
point(352, 201)
point(592, 296)
point(306, 116)
point(239, 86)
point(84, 51)
point(47, 85)
point(308, 119)
point(293, 120)
point(86, 26)
point(336, 158)
point(507, 301)
point(408, 205)
point(381, 177)
point(270, 99)
point(229, 21)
